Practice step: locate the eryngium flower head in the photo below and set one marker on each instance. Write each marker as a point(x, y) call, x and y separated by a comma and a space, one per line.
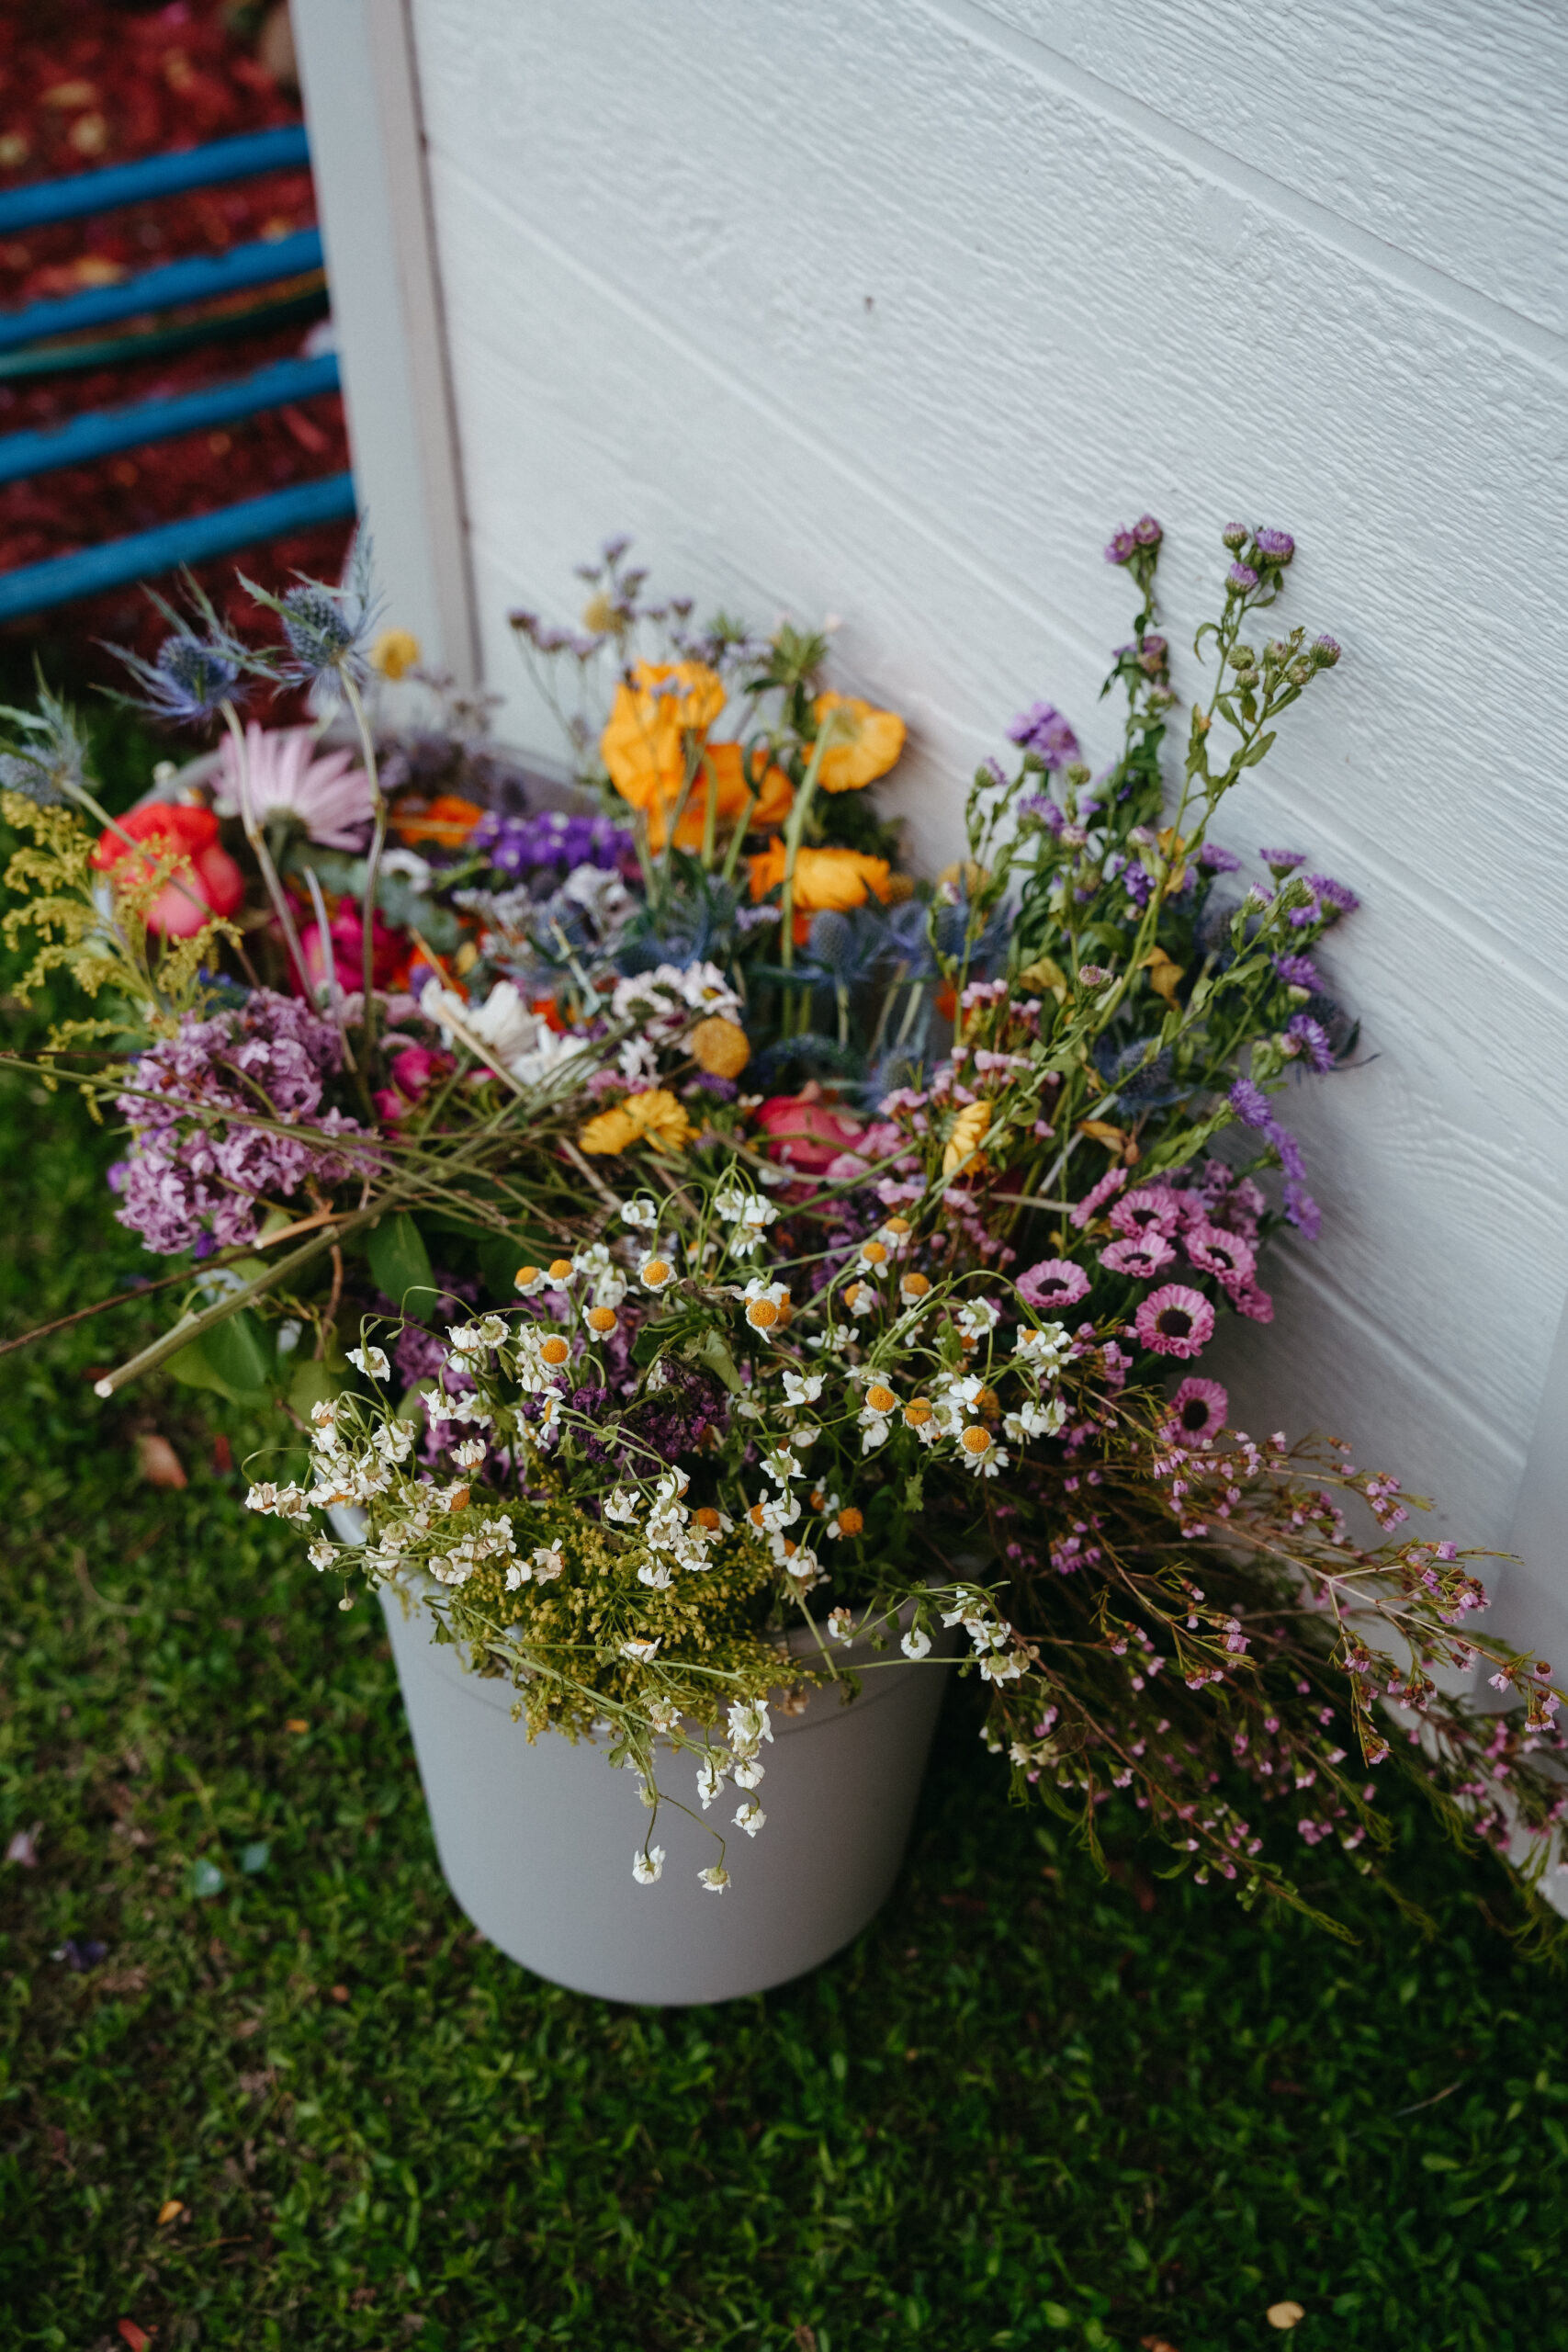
point(52, 767)
point(326, 629)
point(196, 670)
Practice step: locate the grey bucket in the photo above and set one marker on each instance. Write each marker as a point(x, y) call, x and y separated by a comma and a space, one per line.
point(536, 1841)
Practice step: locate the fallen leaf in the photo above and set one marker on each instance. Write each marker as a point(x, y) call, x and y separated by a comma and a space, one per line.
point(1283, 2315)
point(295, 1723)
point(1164, 972)
point(169, 2211)
point(137, 2338)
point(158, 1462)
point(340, 1992)
point(23, 1847)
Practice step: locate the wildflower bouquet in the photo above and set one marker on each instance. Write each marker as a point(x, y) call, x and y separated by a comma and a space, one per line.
point(748, 1249)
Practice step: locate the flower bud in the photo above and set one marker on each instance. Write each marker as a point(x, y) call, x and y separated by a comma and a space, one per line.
point(1324, 652)
point(1235, 536)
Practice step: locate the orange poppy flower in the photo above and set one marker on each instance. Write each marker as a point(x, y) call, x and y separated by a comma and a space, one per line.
point(448, 820)
point(836, 878)
point(644, 743)
point(864, 744)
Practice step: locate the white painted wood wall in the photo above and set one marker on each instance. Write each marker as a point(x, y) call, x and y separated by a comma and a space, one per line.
point(894, 307)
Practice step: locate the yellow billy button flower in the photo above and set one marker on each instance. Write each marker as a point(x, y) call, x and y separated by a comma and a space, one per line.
point(880, 1398)
point(720, 1047)
point(975, 1440)
point(601, 1320)
point(656, 1273)
point(554, 1351)
point(529, 1281)
point(561, 1269)
point(913, 1286)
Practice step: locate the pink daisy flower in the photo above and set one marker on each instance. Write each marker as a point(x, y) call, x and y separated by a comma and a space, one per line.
point(1257, 1305)
point(1222, 1253)
point(1109, 1184)
point(1175, 1321)
point(1199, 1410)
point(1142, 1254)
point(1152, 1207)
point(1055, 1283)
point(329, 796)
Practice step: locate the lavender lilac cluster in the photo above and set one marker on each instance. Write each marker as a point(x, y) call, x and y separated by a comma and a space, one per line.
point(198, 1179)
point(550, 840)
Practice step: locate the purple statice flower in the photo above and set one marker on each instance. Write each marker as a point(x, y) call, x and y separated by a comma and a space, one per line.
point(1250, 1103)
point(1242, 575)
point(1215, 860)
point(195, 1173)
point(1043, 730)
point(550, 840)
point(1313, 1039)
point(1336, 895)
point(1299, 972)
point(1278, 547)
point(1282, 861)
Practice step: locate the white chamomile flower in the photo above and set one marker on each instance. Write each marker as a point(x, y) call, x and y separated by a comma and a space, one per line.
point(549, 1562)
point(640, 1652)
point(322, 1553)
point(470, 1454)
point(841, 1624)
point(521, 1572)
point(394, 1440)
point(1000, 1666)
point(976, 1317)
point(261, 1496)
point(802, 1387)
point(917, 1643)
point(804, 1434)
point(622, 1506)
point(1042, 1343)
point(529, 1281)
point(711, 1774)
point(642, 1214)
point(858, 1298)
point(749, 1725)
point(656, 1273)
point(716, 1877)
point(371, 1361)
point(749, 1816)
point(647, 1863)
point(1035, 1421)
point(748, 1772)
point(781, 1465)
point(658, 1574)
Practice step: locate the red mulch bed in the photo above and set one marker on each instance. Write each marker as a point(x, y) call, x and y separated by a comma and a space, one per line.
point(85, 84)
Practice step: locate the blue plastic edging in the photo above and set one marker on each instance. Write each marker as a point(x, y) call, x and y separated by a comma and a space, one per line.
point(100, 432)
point(84, 192)
point(196, 279)
point(146, 554)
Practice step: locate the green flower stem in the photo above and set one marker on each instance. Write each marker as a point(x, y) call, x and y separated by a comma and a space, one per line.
point(263, 856)
point(334, 994)
point(192, 1327)
point(373, 868)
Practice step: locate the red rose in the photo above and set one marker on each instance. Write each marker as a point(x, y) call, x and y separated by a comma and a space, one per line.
point(804, 1132)
point(208, 872)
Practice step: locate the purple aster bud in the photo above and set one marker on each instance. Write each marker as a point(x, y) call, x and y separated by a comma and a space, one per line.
point(1250, 1103)
point(1299, 972)
point(1122, 548)
point(1311, 1040)
point(1147, 532)
point(1241, 575)
point(1043, 730)
point(1282, 861)
point(1289, 1150)
point(1235, 536)
point(1325, 651)
point(1302, 1210)
point(1275, 546)
point(1213, 859)
point(1041, 805)
point(1338, 895)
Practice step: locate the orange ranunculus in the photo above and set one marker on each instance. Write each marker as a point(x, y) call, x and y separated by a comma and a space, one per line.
point(720, 771)
point(204, 877)
point(448, 820)
point(643, 746)
point(864, 741)
point(839, 878)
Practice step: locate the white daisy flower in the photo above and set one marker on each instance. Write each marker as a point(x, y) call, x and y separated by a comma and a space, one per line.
point(371, 1363)
point(647, 1864)
point(716, 1878)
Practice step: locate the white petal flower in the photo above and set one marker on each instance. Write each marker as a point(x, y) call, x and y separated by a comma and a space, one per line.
point(716, 1878)
point(647, 1865)
point(549, 1562)
point(917, 1643)
point(841, 1624)
point(749, 1817)
point(322, 1553)
point(750, 1773)
point(640, 1213)
point(749, 1725)
point(466, 1337)
point(622, 1506)
point(641, 1653)
point(470, 1454)
point(711, 1775)
point(802, 1387)
point(371, 1361)
point(261, 1496)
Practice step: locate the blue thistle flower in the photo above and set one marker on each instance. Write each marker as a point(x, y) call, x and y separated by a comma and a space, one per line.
point(196, 670)
point(326, 629)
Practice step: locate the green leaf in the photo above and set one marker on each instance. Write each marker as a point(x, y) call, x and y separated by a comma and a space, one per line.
point(1436, 2162)
point(400, 1261)
point(1055, 2316)
point(234, 1358)
point(1258, 750)
point(312, 1383)
point(715, 1353)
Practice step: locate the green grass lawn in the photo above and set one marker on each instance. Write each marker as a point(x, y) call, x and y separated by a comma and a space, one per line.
point(1026, 2108)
